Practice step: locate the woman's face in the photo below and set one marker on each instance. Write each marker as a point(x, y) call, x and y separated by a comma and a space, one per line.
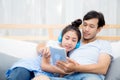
point(69, 40)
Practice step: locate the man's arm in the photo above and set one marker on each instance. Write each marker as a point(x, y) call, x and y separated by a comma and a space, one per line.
point(99, 68)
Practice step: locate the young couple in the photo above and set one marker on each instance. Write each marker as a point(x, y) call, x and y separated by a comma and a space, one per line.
point(90, 61)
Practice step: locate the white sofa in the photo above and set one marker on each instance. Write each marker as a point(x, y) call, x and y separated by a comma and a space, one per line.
point(12, 50)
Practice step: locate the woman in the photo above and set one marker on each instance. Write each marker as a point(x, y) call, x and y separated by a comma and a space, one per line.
point(26, 69)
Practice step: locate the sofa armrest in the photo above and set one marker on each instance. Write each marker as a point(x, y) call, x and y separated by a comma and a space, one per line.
point(114, 70)
point(6, 61)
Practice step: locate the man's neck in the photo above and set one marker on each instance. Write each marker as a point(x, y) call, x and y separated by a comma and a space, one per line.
point(85, 41)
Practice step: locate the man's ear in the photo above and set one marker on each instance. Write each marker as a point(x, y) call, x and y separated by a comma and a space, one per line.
point(99, 29)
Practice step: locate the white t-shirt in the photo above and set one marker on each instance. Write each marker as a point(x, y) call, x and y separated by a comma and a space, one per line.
point(53, 43)
point(89, 53)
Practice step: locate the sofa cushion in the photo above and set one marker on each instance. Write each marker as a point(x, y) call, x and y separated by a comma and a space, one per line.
point(116, 49)
point(18, 48)
point(114, 70)
point(6, 61)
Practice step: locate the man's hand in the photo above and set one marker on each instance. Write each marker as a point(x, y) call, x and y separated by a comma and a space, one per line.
point(69, 67)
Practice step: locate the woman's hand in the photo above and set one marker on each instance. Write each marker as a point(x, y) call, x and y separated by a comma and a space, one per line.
point(40, 47)
point(45, 52)
point(69, 67)
point(45, 62)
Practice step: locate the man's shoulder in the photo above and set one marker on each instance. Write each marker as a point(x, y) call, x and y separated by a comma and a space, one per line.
point(103, 41)
point(104, 44)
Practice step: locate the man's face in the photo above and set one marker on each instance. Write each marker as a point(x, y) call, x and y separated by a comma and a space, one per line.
point(90, 28)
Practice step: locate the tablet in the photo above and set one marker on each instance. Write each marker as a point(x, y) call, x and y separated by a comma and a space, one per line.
point(57, 54)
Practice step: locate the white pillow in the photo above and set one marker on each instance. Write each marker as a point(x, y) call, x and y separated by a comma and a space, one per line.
point(116, 48)
point(18, 48)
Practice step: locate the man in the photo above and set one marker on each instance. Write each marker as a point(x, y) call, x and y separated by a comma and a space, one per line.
point(92, 59)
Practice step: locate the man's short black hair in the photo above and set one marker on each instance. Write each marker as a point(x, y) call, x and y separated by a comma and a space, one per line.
point(95, 14)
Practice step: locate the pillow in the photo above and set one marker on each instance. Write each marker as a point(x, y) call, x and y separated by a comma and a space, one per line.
point(18, 48)
point(6, 62)
point(116, 48)
point(114, 70)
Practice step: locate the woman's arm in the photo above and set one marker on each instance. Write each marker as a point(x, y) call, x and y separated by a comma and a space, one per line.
point(46, 65)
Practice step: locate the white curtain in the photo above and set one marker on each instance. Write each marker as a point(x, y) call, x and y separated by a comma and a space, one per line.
point(55, 12)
